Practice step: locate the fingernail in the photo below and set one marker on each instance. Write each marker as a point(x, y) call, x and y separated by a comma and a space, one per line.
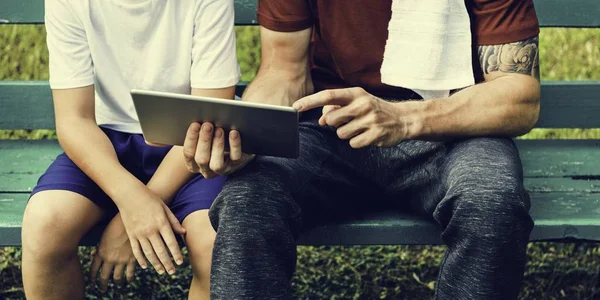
point(144, 267)
point(207, 128)
point(196, 127)
point(171, 272)
point(179, 261)
point(297, 106)
point(161, 271)
point(219, 133)
point(234, 134)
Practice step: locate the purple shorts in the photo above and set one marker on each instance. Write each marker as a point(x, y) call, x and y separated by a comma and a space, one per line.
point(140, 160)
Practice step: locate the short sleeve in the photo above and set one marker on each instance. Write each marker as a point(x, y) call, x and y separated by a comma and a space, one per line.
point(70, 62)
point(503, 21)
point(214, 61)
point(284, 15)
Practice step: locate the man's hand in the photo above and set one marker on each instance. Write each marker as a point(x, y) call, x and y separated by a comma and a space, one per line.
point(359, 116)
point(114, 255)
point(204, 151)
point(149, 224)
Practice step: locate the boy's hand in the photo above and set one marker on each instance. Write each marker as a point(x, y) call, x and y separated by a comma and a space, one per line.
point(149, 224)
point(114, 255)
point(204, 151)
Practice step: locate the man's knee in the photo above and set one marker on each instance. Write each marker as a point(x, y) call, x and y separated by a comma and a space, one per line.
point(498, 214)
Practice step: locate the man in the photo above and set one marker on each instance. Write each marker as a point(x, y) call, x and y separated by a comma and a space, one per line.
point(450, 158)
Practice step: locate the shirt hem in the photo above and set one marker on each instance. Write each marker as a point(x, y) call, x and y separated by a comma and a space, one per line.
point(216, 84)
point(283, 26)
point(62, 85)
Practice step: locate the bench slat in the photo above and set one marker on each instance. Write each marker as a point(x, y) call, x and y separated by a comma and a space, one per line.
point(551, 13)
point(574, 104)
point(556, 215)
point(32, 12)
point(546, 163)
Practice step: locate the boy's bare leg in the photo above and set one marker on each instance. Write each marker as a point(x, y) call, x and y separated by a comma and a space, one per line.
point(200, 237)
point(53, 224)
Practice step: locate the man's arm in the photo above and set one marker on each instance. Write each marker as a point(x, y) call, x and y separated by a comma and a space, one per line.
point(507, 103)
point(284, 73)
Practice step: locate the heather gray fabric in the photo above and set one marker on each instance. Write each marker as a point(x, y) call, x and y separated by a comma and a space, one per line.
point(473, 188)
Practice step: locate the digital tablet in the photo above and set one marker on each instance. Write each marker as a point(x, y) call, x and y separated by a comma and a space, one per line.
point(265, 129)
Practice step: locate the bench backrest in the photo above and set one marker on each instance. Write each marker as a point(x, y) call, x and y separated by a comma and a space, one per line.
point(574, 104)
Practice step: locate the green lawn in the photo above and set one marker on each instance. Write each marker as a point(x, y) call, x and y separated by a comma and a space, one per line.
point(554, 271)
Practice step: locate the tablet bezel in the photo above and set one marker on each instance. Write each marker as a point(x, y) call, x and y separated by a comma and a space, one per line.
point(269, 129)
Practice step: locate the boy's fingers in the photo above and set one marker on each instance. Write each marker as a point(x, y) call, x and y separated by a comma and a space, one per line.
point(96, 263)
point(162, 252)
point(235, 146)
point(217, 157)
point(189, 147)
point(137, 252)
point(118, 274)
point(204, 145)
point(105, 273)
point(130, 271)
point(151, 256)
point(173, 220)
point(173, 246)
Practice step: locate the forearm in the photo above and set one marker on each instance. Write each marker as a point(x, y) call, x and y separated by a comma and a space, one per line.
point(279, 87)
point(284, 73)
point(91, 150)
point(170, 176)
point(505, 106)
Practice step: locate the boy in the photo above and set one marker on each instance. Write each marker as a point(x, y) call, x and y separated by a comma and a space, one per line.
point(99, 51)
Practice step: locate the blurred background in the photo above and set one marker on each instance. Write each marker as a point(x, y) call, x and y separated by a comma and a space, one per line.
point(554, 270)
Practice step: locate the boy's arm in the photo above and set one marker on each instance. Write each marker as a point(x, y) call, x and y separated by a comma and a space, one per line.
point(143, 213)
point(72, 83)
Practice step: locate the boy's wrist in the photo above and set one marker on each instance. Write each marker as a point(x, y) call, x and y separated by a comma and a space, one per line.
point(125, 190)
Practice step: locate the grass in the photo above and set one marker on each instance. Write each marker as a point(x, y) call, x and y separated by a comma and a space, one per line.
point(554, 270)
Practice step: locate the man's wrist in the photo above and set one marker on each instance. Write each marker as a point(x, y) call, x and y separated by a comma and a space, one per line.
point(413, 116)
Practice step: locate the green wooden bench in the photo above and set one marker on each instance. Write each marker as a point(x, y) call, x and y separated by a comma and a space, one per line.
point(563, 176)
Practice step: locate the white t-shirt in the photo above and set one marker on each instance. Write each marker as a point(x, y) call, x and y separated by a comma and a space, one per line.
point(119, 45)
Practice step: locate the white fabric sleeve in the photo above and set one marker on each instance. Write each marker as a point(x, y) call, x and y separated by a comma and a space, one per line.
point(70, 62)
point(214, 61)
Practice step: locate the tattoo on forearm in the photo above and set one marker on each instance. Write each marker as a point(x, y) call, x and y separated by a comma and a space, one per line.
point(518, 57)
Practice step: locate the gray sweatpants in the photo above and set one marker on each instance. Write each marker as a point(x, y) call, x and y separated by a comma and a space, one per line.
point(473, 188)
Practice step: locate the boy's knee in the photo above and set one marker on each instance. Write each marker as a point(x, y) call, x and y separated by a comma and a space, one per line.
point(44, 235)
point(200, 256)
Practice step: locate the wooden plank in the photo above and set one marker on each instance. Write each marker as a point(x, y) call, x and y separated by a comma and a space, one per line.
point(559, 158)
point(568, 13)
point(32, 12)
point(22, 163)
point(570, 104)
point(557, 216)
point(28, 104)
point(551, 13)
point(546, 163)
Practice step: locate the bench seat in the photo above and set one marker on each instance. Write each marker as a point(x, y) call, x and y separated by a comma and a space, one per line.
point(562, 177)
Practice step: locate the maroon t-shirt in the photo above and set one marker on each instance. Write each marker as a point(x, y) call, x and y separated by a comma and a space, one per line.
point(349, 36)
